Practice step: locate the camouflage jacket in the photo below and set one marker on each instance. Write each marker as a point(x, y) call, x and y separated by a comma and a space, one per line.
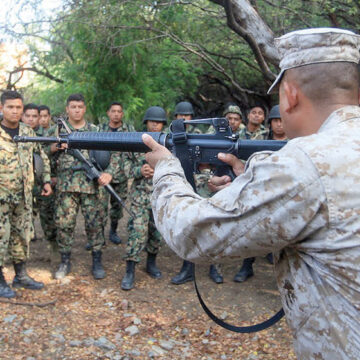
point(303, 204)
point(70, 177)
point(132, 166)
point(16, 166)
point(117, 160)
point(260, 134)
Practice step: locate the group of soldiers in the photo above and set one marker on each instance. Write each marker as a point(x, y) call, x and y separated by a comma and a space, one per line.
point(60, 187)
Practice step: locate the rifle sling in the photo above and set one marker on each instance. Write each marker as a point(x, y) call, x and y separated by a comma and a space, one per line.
point(238, 329)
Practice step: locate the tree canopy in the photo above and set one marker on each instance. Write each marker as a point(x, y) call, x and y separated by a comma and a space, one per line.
point(145, 53)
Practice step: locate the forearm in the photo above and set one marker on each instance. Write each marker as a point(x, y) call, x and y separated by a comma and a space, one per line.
point(245, 219)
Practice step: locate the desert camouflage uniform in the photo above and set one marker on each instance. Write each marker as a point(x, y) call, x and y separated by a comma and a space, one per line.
point(260, 134)
point(303, 204)
point(119, 180)
point(142, 231)
point(16, 186)
point(74, 191)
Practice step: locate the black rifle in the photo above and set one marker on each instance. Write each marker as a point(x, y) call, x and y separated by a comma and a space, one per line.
point(192, 150)
point(91, 170)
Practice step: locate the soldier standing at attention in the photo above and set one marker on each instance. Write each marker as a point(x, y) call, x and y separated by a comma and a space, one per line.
point(16, 185)
point(31, 117)
point(74, 191)
point(302, 202)
point(45, 118)
point(255, 130)
point(119, 181)
point(184, 110)
point(142, 231)
point(46, 205)
point(276, 127)
point(233, 114)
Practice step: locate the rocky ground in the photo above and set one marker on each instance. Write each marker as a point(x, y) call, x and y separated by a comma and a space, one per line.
point(80, 318)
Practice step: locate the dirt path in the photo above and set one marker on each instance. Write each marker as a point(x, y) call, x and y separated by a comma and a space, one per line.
point(87, 319)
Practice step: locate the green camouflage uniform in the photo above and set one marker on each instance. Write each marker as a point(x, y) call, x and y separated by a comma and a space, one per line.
point(260, 134)
point(16, 186)
point(119, 178)
point(141, 228)
point(74, 191)
point(46, 204)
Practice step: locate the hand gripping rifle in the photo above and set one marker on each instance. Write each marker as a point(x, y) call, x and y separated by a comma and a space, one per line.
point(192, 150)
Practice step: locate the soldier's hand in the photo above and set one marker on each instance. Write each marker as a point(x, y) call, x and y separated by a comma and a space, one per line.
point(147, 171)
point(236, 164)
point(54, 147)
point(104, 179)
point(158, 152)
point(217, 183)
point(53, 181)
point(47, 190)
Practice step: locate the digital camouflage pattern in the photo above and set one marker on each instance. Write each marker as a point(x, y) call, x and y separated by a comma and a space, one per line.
point(16, 186)
point(303, 204)
point(260, 134)
point(73, 191)
point(142, 231)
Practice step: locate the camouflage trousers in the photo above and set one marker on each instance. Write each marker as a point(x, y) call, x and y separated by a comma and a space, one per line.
point(46, 206)
point(68, 204)
point(142, 231)
point(116, 209)
point(16, 230)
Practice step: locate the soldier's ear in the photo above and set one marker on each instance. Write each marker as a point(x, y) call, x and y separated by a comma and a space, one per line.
point(289, 96)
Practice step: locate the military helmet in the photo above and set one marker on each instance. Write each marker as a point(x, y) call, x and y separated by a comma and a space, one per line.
point(155, 113)
point(234, 109)
point(100, 158)
point(274, 113)
point(184, 108)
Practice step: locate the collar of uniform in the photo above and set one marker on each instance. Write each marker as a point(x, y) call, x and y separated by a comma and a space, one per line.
point(343, 114)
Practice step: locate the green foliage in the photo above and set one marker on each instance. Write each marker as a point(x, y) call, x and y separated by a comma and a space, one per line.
point(145, 53)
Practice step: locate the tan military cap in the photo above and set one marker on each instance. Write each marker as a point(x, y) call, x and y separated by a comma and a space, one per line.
point(318, 45)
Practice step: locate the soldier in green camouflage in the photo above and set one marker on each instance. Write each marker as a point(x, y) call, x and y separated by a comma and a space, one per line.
point(184, 110)
point(74, 191)
point(31, 116)
point(234, 115)
point(142, 231)
point(47, 204)
point(119, 179)
point(16, 186)
point(255, 130)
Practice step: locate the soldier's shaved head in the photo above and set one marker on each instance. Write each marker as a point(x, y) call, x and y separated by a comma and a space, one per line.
point(325, 82)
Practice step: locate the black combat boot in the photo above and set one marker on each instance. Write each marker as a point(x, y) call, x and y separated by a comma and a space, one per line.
point(214, 275)
point(128, 280)
point(5, 290)
point(64, 267)
point(186, 273)
point(113, 236)
point(151, 267)
point(246, 270)
point(97, 268)
point(23, 280)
